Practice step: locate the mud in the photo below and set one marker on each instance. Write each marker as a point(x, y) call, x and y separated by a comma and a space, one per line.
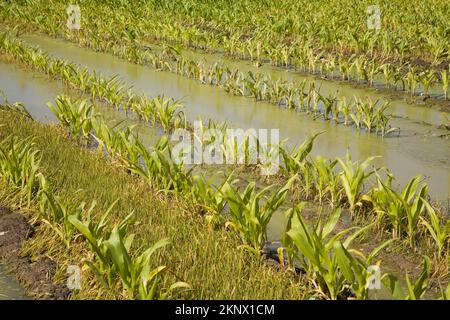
point(36, 276)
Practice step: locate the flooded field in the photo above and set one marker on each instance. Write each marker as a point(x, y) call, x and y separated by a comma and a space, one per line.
point(135, 166)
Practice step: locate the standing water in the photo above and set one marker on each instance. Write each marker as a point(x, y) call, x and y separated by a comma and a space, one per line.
point(9, 288)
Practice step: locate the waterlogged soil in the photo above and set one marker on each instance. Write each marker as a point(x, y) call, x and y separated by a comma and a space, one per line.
point(420, 147)
point(35, 276)
point(416, 111)
point(331, 143)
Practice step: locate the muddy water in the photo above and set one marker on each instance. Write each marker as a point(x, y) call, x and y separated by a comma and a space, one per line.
point(9, 288)
point(417, 150)
point(33, 90)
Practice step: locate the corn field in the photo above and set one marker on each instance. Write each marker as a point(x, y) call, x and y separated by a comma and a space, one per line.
point(342, 215)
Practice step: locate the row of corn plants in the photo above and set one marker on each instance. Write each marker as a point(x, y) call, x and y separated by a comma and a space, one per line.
point(303, 55)
point(162, 110)
point(407, 215)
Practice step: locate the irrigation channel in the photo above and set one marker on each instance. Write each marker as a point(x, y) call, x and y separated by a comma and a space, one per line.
point(421, 146)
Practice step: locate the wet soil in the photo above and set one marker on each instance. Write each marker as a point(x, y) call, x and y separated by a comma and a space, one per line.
point(36, 276)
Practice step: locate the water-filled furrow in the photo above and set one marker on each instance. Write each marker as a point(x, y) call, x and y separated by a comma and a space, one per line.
point(10, 289)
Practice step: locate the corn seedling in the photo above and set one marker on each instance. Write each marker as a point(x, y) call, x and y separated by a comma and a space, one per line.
point(56, 213)
point(440, 234)
point(167, 113)
point(427, 79)
point(96, 234)
point(325, 180)
point(352, 176)
point(76, 116)
point(211, 198)
point(294, 159)
point(403, 210)
point(137, 277)
point(19, 167)
point(159, 170)
point(326, 260)
point(248, 216)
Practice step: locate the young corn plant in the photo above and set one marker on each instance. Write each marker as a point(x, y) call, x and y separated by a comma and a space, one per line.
point(352, 176)
point(325, 180)
point(346, 109)
point(96, 234)
point(138, 279)
point(126, 141)
point(211, 198)
point(404, 209)
point(19, 168)
point(105, 137)
point(382, 121)
point(427, 79)
point(327, 261)
point(56, 213)
point(412, 79)
point(368, 110)
point(250, 213)
point(76, 116)
point(293, 160)
point(328, 103)
point(357, 117)
point(118, 145)
point(167, 113)
point(307, 179)
point(158, 168)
